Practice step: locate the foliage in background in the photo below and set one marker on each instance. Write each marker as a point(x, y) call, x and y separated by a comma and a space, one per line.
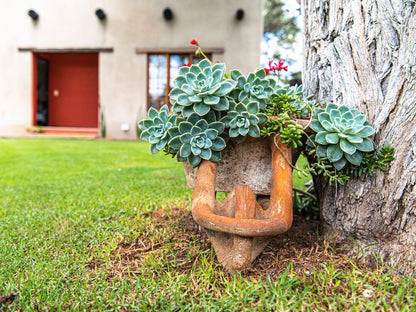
point(305, 202)
point(280, 37)
point(103, 131)
point(278, 23)
point(35, 129)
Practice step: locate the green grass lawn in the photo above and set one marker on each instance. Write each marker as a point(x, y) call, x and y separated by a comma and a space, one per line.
point(105, 226)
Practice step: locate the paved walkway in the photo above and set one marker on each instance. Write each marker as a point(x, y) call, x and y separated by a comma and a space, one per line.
point(48, 132)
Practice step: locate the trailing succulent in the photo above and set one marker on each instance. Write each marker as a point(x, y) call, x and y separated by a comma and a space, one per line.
point(287, 104)
point(290, 100)
point(342, 135)
point(201, 88)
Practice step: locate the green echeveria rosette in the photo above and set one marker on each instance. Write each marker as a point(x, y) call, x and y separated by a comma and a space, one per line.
point(155, 128)
point(255, 88)
point(342, 135)
point(201, 88)
point(196, 139)
point(243, 120)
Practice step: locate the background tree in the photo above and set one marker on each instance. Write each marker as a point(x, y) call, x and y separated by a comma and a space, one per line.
point(282, 26)
point(362, 54)
point(277, 22)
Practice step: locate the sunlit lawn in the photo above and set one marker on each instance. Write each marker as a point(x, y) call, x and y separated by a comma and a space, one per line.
point(66, 206)
point(66, 201)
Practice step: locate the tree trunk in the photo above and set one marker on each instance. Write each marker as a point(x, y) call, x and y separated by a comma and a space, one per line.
point(363, 54)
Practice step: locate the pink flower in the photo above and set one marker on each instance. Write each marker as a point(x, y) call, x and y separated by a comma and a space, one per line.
point(273, 66)
point(194, 42)
point(272, 63)
point(280, 66)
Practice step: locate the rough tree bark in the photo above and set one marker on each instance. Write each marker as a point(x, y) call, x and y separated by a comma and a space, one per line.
point(363, 54)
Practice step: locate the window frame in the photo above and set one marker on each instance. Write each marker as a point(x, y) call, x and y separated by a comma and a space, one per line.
point(167, 55)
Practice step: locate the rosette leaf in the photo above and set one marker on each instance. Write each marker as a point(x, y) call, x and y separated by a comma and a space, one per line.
point(253, 88)
point(197, 138)
point(200, 89)
point(155, 128)
point(342, 135)
point(243, 120)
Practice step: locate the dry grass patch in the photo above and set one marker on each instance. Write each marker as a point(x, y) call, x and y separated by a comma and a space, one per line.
point(173, 233)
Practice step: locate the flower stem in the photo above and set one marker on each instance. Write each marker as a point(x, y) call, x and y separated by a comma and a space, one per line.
point(200, 52)
point(305, 193)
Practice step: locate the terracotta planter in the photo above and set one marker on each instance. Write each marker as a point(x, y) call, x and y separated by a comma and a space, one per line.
point(247, 163)
point(242, 224)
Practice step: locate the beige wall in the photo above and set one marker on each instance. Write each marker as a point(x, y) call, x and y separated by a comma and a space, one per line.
point(130, 24)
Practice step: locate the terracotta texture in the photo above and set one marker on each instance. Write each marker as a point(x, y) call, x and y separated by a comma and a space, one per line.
point(247, 163)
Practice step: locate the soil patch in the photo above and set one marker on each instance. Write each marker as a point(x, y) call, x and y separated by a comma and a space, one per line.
point(173, 234)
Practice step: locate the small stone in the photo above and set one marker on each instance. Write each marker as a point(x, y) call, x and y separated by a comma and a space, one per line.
point(368, 293)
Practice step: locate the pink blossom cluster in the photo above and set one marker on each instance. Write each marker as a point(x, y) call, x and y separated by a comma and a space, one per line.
point(275, 67)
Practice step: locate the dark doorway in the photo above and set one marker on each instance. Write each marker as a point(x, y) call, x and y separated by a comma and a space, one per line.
point(42, 89)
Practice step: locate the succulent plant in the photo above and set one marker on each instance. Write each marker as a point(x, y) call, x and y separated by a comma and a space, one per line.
point(198, 138)
point(243, 120)
point(200, 88)
point(292, 95)
point(255, 88)
point(342, 134)
point(155, 128)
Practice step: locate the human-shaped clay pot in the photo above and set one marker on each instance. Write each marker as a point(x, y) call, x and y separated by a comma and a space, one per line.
point(258, 176)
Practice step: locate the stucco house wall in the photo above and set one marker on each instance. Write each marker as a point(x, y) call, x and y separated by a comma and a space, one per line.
point(131, 30)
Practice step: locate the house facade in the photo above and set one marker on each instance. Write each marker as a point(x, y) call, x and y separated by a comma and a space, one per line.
point(85, 64)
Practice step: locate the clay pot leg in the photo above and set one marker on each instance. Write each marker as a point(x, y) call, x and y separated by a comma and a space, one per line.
point(234, 251)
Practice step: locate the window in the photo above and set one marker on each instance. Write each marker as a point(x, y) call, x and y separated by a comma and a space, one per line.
point(164, 68)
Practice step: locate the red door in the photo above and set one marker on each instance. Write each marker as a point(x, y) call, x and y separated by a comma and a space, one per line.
point(73, 89)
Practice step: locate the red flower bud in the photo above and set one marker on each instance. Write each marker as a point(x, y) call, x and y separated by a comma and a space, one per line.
point(194, 42)
point(266, 70)
point(187, 65)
